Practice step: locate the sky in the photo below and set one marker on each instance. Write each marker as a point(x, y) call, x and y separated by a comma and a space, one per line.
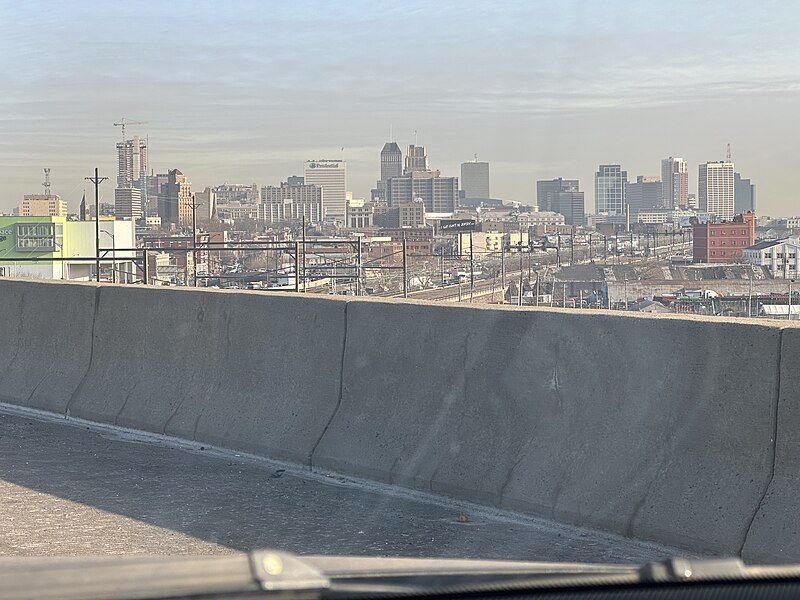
point(244, 92)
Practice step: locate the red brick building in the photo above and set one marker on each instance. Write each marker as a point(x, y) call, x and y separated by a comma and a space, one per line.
point(723, 242)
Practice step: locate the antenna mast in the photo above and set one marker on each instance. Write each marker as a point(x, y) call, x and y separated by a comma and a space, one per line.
point(728, 153)
point(46, 184)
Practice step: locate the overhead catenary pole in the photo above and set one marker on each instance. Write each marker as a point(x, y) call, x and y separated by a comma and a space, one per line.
point(503, 271)
point(471, 267)
point(96, 180)
point(305, 283)
point(358, 267)
point(297, 266)
point(194, 240)
point(521, 271)
point(405, 268)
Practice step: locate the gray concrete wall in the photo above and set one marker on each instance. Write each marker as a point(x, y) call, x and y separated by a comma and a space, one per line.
point(660, 428)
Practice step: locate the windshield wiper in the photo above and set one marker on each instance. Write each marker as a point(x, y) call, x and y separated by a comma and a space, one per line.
point(282, 574)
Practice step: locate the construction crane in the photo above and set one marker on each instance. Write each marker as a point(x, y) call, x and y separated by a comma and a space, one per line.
point(123, 122)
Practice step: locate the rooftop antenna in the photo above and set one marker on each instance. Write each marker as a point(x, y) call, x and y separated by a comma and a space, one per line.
point(390, 133)
point(728, 154)
point(476, 157)
point(415, 137)
point(46, 184)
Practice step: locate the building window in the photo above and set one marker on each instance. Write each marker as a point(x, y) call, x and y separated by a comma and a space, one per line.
point(33, 237)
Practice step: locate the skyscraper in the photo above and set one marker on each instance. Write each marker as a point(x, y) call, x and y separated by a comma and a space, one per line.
point(391, 161)
point(744, 195)
point(331, 176)
point(644, 194)
point(715, 189)
point(291, 202)
point(128, 203)
point(440, 194)
point(175, 200)
point(562, 196)
point(610, 182)
point(674, 183)
point(475, 179)
point(131, 162)
point(416, 159)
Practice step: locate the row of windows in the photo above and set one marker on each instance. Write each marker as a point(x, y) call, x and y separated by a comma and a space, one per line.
point(715, 232)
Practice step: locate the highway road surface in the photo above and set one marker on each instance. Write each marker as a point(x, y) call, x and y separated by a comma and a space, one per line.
point(71, 488)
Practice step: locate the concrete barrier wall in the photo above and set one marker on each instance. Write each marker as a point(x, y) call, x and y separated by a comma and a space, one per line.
point(659, 428)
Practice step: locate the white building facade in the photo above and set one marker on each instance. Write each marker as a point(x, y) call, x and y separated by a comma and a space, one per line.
point(331, 176)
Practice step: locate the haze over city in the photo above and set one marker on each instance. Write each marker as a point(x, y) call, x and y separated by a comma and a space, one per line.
point(538, 90)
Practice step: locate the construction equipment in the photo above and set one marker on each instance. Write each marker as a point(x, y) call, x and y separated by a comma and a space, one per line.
point(123, 122)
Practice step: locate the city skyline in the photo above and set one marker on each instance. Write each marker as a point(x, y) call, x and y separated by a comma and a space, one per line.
point(241, 107)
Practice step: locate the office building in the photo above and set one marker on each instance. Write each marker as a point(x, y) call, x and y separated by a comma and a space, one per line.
point(128, 203)
point(206, 203)
point(409, 214)
point(331, 176)
point(416, 159)
point(132, 174)
point(722, 242)
point(475, 179)
point(440, 194)
point(42, 205)
point(131, 163)
point(674, 183)
point(391, 161)
point(391, 166)
point(645, 194)
point(291, 203)
point(360, 214)
point(175, 200)
point(610, 182)
point(236, 192)
point(562, 196)
point(715, 192)
point(744, 195)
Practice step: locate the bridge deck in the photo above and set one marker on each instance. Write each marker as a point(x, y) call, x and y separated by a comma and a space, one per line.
point(69, 489)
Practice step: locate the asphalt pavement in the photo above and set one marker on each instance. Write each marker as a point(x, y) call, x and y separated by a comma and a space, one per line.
point(71, 488)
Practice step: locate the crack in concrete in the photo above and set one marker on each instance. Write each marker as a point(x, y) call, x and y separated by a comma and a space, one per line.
point(339, 398)
point(81, 383)
point(773, 447)
point(125, 403)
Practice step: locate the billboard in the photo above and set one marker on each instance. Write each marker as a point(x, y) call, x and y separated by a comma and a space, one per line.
point(456, 225)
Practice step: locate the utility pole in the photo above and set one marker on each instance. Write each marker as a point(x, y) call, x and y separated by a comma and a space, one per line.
point(194, 239)
point(789, 312)
point(519, 298)
point(503, 271)
point(471, 267)
point(590, 249)
point(750, 296)
point(297, 266)
point(441, 265)
point(405, 268)
point(96, 180)
point(358, 264)
point(305, 283)
point(558, 250)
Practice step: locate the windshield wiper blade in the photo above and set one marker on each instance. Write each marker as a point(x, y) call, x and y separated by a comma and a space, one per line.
point(273, 573)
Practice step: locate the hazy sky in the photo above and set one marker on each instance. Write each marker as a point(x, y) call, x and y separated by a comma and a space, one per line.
point(245, 91)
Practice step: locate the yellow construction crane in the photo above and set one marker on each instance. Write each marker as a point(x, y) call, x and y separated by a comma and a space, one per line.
point(123, 122)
